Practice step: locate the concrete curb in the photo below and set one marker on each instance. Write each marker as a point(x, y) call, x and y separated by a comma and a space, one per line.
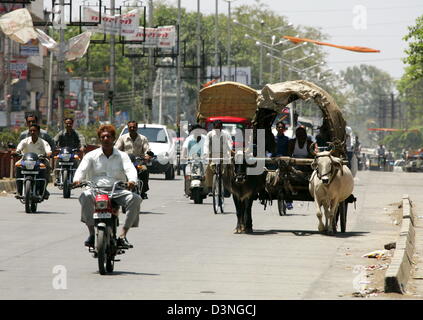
point(399, 270)
point(8, 185)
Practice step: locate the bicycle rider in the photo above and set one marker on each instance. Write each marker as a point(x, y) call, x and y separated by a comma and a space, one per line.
point(218, 145)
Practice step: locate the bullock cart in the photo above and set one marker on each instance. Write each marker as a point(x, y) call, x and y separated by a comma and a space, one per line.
point(290, 181)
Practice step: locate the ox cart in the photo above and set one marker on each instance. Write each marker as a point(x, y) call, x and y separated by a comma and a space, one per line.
point(290, 181)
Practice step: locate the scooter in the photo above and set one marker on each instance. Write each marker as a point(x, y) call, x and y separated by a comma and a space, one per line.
point(33, 186)
point(195, 187)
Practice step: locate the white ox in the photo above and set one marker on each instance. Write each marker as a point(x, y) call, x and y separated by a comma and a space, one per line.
point(330, 183)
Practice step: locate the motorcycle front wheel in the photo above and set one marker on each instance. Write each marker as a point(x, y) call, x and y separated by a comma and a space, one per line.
point(28, 189)
point(101, 251)
point(66, 185)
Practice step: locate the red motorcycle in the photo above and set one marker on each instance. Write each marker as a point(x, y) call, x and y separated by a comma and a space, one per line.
point(106, 221)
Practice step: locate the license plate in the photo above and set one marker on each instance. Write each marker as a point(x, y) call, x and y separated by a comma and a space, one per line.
point(29, 172)
point(102, 215)
point(65, 164)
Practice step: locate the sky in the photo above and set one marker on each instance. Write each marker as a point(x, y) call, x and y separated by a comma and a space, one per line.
point(378, 24)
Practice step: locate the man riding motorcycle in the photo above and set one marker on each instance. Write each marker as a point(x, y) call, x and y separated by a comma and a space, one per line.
point(136, 144)
point(69, 138)
point(31, 119)
point(37, 145)
point(104, 166)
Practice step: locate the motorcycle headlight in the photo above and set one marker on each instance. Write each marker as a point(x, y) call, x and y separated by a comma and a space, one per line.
point(29, 164)
point(66, 156)
point(101, 205)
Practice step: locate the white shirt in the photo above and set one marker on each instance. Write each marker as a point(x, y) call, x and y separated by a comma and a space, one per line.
point(300, 152)
point(213, 147)
point(103, 171)
point(187, 150)
point(39, 147)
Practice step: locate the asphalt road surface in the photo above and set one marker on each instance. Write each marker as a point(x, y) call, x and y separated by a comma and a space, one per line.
point(185, 251)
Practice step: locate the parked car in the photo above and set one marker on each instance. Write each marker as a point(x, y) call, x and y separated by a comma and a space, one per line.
point(399, 165)
point(162, 142)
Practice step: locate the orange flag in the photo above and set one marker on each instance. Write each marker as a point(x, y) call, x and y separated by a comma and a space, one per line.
point(351, 48)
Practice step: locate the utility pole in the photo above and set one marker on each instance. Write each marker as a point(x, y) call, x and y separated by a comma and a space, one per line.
point(150, 64)
point(216, 39)
point(229, 40)
point(178, 70)
point(112, 67)
point(392, 110)
point(7, 86)
point(61, 65)
point(198, 46)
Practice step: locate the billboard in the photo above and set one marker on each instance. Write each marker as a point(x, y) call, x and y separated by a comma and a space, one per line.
point(238, 74)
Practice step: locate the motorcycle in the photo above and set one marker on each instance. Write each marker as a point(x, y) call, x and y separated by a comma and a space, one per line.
point(66, 165)
point(33, 186)
point(195, 180)
point(106, 221)
point(138, 163)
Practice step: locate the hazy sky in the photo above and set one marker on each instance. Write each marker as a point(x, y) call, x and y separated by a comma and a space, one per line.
point(378, 24)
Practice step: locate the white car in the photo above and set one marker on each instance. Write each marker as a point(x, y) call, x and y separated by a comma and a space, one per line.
point(162, 143)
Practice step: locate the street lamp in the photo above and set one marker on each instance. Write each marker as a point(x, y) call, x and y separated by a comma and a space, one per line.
point(261, 48)
point(229, 37)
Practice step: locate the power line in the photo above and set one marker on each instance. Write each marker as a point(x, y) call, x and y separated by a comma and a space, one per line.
point(369, 60)
point(350, 10)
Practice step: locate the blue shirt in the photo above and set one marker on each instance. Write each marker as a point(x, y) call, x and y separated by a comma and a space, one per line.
point(281, 145)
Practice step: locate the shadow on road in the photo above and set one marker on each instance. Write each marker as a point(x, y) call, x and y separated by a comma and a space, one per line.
point(129, 273)
point(48, 212)
point(151, 212)
point(304, 233)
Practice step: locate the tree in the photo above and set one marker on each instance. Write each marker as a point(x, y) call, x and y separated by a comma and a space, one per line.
point(411, 84)
point(368, 91)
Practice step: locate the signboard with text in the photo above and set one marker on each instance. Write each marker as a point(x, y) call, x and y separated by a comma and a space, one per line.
point(161, 37)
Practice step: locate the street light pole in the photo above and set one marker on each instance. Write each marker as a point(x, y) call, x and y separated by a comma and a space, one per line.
point(178, 69)
point(61, 66)
point(216, 39)
point(229, 39)
point(112, 66)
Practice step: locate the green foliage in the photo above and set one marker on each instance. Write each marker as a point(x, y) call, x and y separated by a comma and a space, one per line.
point(8, 136)
point(415, 49)
point(409, 140)
point(411, 84)
point(367, 89)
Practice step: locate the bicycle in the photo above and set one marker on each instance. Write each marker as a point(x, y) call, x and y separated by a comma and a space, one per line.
point(218, 189)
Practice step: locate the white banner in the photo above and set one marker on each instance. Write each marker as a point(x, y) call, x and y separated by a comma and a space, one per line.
point(78, 46)
point(161, 37)
point(17, 25)
point(124, 25)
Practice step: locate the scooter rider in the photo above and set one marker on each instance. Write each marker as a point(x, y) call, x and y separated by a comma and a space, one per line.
point(136, 144)
point(193, 144)
point(104, 166)
point(39, 146)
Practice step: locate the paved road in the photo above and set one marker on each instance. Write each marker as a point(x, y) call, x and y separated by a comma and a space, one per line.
point(184, 251)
